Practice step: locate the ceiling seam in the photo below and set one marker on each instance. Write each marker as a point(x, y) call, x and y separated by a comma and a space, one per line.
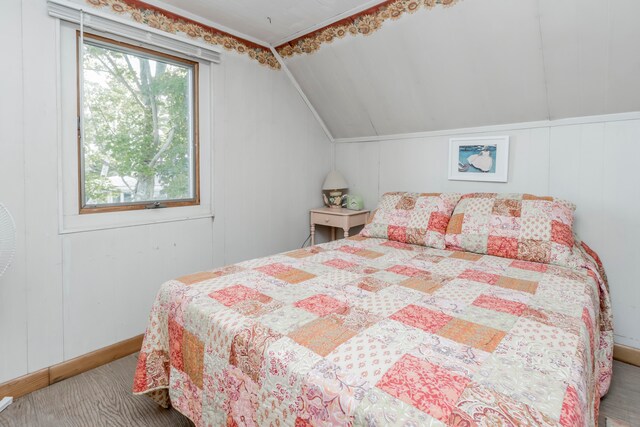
point(544, 65)
point(304, 97)
point(328, 21)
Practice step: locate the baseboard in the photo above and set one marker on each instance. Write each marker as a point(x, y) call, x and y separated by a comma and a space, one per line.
point(626, 354)
point(61, 371)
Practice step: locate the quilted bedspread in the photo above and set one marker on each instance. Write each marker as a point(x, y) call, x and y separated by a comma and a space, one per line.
point(372, 332)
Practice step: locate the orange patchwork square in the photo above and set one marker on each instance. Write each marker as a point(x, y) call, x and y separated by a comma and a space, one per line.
point(518, 284)
point(423, 285)
point(358, 237)
point(236, 293)
point(455, 224)
point(478, 336)
point(193, 357)
point(322, 335)
point(286, 273)
point(366, 253)
point(190, 279)
point(294, 276)
point(197, 277)
point(467, 256)
point(304, 253)
point(532, 197)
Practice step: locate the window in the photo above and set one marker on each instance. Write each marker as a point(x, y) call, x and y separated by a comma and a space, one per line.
point(139, 144)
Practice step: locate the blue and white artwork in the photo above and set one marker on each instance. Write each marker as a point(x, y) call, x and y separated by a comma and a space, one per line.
point(477, 158)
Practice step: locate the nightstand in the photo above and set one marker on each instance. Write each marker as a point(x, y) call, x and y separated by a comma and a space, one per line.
point(336, 218)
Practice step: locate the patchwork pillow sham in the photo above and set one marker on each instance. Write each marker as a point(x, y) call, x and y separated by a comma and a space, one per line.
point(518, 226)
point(414, 218)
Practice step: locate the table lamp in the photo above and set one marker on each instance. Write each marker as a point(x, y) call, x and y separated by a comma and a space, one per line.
point(334, 183)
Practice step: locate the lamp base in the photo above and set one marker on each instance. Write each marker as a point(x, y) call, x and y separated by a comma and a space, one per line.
point(334, 200)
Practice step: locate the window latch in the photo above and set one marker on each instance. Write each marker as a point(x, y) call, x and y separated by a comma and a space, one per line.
point(155, 205)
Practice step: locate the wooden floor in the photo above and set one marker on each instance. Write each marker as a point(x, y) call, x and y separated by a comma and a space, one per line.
point(102, 397)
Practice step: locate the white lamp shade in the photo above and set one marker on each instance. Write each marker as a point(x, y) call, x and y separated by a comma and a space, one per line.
point(334, 181)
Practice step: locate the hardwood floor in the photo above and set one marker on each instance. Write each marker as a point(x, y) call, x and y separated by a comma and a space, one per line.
point(102, 397)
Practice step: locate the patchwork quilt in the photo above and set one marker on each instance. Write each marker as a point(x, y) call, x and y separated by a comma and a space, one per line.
point(367, 331)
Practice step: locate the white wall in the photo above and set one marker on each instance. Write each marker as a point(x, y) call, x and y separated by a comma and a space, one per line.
point(592, 164)
point(69, 294)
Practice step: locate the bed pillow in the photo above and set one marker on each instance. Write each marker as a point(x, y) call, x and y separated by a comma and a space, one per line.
point(415, 218)
point(518, 226)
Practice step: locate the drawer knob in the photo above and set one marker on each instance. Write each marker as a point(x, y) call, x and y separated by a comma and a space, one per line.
point(326, 220)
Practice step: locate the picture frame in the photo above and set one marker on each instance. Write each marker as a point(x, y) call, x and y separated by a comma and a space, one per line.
point(483, 158)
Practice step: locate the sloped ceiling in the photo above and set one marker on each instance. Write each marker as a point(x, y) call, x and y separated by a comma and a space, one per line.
point(478, 62)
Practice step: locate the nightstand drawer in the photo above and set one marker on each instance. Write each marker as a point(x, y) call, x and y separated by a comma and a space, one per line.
point(328, 220)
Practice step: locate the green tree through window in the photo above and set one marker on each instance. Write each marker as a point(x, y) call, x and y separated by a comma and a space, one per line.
point(139, 142)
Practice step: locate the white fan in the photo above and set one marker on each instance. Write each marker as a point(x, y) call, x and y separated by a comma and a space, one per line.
point(7, 239)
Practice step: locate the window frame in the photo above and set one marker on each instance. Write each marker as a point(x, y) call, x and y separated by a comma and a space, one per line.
point(195, 160)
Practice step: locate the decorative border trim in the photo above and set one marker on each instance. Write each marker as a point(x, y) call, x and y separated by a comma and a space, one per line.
point(53, 374)
point(170, 22)
point(365, 22)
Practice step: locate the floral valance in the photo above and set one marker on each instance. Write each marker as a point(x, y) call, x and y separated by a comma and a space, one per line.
point(164, 20)
point(365, 22)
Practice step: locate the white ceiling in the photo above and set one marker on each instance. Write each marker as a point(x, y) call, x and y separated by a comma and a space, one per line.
point(479, 62)
point(288, 17)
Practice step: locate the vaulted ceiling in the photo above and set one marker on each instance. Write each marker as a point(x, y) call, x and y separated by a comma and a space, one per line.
point(272, 21)
point(478, 62)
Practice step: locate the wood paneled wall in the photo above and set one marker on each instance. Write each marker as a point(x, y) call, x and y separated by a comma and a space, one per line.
point(593, 165)
point(67, 295)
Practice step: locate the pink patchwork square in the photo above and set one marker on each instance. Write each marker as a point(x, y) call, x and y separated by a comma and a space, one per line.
point(175, 344)
point(421, 318)
point(528, 265)
point(499, 304)
point(397, 245)
point(322, 305)
point(397, 233)
point(350, 249)
point(340, 263)
point(236, 293)
point(438, 222)
point(479, 276)
point(405, 270)
point(572, 410)
point(505, 247)
point(274, 269)
point(426, 386)
point(561, 233)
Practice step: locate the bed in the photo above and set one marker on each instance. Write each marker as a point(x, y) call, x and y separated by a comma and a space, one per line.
point(378, 331)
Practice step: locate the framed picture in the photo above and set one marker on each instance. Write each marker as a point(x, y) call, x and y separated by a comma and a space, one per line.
point(479, 159)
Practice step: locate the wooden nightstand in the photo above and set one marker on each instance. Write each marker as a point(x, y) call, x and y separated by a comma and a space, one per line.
point(336, 218)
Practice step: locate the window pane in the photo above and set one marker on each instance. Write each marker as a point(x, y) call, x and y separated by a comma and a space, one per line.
point(138, 127)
